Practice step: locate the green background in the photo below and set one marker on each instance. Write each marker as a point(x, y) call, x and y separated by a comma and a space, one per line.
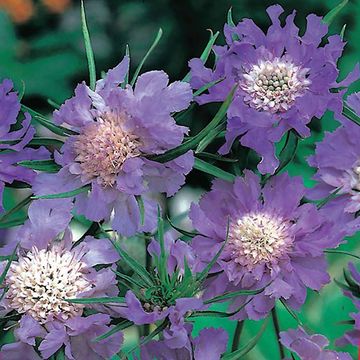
point(45, 58)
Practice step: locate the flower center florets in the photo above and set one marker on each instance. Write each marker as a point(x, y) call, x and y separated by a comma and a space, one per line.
point(258, 238)
point(39, 282)
point(102, 148)
point(273, 85)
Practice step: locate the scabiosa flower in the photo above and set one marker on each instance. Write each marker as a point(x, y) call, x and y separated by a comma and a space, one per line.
point(172, 300)
point(12, 142)
point(337, 160)
point(283, 80)
point(273, 242)
point(49, 269)
point(118, 130)
point(210, 344)
point(352, 291)
point(310, 347)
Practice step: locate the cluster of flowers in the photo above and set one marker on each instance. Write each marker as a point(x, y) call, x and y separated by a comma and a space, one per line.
point(257, 240)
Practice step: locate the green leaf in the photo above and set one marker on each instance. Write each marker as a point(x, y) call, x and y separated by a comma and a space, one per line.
point(331, 15)
point(234, 294)
point(103, 300)
point(15, 209)
point(216, 133)
point(330, 197)
point(142, 62)
point(129, 279)
point(140, 202)
point(41, 165)
point(43, 141)
point(215, 157)
point(133, 264)
point(88, 48)
point(288, 152)
point(119, 327)
point(235, 355)
point(126, 80)
point(207, 168)
point(163, 254)
point(12, 223)
point(58, 130)
point(194, 141)
point(291, 312)
point(64, 195)
point(7, 266)
point(230, 20)
point(206, 52)
point(342, 32)
point(351, 115)
point(60, 355)
point(181, 231)
point(335, 251)
point(207, 86)
point(53, 104)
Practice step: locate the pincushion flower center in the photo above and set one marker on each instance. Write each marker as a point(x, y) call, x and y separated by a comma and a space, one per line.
point(39, 283)
point(258, 238)
point(355, 176)
point(273, 85)
point(102, 148)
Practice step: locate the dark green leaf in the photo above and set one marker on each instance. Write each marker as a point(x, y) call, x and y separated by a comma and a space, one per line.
point(331, 15)
point(330, 197)
point(133, 264)
point(206, 87)
point(163, 254)
point(126, 80)
point(215, 157)
point(351, 115)
point(181, 231)
point(88, 48)
point(140, 202)
point(46, 142)
point(8, 264)
point(129, 279)
point(249, 346)
point(335, 251)
point(53, 104)
point(12, 223)
point(15, 209)
point(123, 325)
point(213, 170)
point(103, 300)
point(60, 355)
point(41, 165)
point(64, 194)
point(142, 62)
point(216, 133)
point(291, 312)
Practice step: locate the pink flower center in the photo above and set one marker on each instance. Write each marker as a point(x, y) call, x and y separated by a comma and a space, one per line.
point(103, 147)
point(258, 238)
point(273, 85)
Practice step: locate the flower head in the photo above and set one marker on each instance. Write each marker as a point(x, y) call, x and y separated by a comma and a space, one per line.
point(12, 143)
point(118, 130)
point(310, 347)
point(283, 80)
point(49, 270)
point(337, 160)
point(273, 242)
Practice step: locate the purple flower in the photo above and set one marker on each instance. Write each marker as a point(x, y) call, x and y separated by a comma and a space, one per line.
point(156, 302)
point(209, 345)
point(12, 143)
point(119, 129)
point(337, 160)
point(310, 347)
point(49, 269)
point(353, 336)
point(283, 81)
point(273, 242)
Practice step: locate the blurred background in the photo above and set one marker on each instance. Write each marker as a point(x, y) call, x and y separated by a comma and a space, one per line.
point(41, 50)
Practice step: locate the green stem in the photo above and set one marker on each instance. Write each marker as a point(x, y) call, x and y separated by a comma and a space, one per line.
point(236, 338)
point(146, 330)
point(277, 331)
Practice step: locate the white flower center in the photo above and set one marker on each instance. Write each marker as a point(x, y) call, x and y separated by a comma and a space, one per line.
point(103, 147)
point(273, 85)
point(258, 238)
point(355, 177)
point(40, 281)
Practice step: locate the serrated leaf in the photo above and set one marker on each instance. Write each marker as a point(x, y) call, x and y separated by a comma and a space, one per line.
point(41, 165)
point(331, 15)
point(142, 62)
point(133, 264)
point(102, 300)
point(213, 170)
point(194, 141)
point(88, 48)
point(235, 355)
point(64, 195)
point(206, 52)
point(119, 327)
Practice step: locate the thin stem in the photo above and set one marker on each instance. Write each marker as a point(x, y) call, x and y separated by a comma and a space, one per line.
point(146, 330)
point(277, 331)
point(236, 339)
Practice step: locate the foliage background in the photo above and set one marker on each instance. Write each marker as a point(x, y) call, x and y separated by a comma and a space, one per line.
point(44, 56)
